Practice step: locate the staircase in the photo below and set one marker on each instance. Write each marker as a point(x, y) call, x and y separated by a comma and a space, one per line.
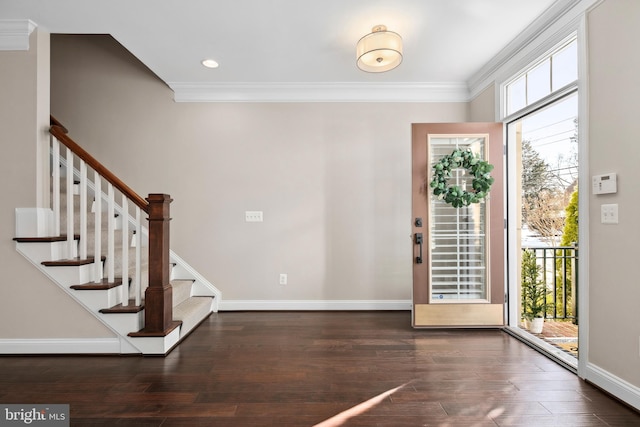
point(146, 294)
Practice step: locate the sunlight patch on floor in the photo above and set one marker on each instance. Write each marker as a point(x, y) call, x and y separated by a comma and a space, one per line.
point(361, 408)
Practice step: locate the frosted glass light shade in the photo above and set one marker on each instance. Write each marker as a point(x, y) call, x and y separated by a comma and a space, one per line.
point(379, 51)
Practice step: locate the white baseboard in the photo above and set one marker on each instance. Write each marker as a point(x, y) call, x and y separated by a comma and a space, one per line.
point(310, 305)
point(61, 346)
point(617, 387)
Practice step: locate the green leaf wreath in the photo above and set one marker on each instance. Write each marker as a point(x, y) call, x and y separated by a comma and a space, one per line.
point(453, 194)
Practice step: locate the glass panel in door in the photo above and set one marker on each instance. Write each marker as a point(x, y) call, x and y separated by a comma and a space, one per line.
point(543, 205)
point(458, 238)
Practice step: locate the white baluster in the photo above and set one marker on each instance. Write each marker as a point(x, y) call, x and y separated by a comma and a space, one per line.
point(83, 210)
point(55, 164)
point(125, 250)
point(138, 283)
point(70, 231)
point(98, 228)
point(111, 226)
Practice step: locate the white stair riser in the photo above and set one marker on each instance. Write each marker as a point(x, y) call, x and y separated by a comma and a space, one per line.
point(34, 222)
point(46, 251)
point(98, 299)
point(124, 323)
point(156, 345)
point(72, 275)
point(178, 272)
point(201, 290)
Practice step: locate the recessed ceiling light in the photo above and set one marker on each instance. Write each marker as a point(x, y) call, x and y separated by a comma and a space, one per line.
point(210, 63)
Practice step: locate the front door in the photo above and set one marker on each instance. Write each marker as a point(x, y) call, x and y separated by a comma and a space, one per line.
point(458, 230)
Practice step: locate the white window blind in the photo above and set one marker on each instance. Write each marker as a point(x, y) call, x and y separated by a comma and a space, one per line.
point(457, 236)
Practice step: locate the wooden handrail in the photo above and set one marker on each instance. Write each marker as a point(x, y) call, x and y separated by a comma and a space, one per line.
point(158, 296)
point(60, 133)
point(55, 122)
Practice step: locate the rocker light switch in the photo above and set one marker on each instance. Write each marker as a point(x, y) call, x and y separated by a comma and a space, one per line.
point(609, 214)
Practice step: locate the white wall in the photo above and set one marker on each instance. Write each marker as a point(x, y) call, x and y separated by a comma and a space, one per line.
point(614, 105)
point(31, 306)
point(333, 180)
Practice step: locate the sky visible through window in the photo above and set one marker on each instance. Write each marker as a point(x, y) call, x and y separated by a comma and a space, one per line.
point(552, 132)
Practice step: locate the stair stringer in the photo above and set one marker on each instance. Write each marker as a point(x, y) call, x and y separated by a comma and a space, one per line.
point(127, 346)
point(92, 301)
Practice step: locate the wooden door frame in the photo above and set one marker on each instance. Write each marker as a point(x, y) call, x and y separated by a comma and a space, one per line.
point(425, 313)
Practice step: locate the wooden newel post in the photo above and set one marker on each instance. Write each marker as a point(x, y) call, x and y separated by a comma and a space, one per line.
point(158, 314)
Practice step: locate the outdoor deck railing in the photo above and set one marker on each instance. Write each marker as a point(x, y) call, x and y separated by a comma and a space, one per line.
point(559, 266)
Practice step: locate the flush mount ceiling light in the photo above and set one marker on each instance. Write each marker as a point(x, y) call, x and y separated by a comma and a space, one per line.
point(379, 51)
point(210, 63)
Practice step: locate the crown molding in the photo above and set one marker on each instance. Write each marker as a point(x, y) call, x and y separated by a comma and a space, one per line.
point(320, 92)
point(556, 19)
point(14, 34)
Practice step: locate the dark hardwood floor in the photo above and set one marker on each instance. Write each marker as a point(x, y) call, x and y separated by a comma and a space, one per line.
point(307, 368)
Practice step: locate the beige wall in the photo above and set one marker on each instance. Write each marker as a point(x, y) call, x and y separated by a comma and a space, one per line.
point(614, 105)
point(31, 306)
point(333, 179)
point(482, 107)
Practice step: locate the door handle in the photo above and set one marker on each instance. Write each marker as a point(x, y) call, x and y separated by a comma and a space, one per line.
point(417, 239)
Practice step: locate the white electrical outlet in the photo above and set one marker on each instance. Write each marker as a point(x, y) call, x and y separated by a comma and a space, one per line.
point(283, 278)
point(253, 216)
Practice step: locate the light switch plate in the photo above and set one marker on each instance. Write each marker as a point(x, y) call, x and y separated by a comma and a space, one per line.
point(609, 213)
point(253, 216)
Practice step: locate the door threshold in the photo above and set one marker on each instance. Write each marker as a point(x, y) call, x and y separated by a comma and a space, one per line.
point(562, 358)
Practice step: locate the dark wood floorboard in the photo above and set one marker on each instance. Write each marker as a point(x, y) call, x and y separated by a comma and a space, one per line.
point(305, 368)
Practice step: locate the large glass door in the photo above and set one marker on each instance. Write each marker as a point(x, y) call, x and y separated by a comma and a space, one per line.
point(543, 212)
point(541, 107)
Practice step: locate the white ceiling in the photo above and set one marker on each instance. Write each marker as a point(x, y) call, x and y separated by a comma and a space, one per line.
point(293, 43)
